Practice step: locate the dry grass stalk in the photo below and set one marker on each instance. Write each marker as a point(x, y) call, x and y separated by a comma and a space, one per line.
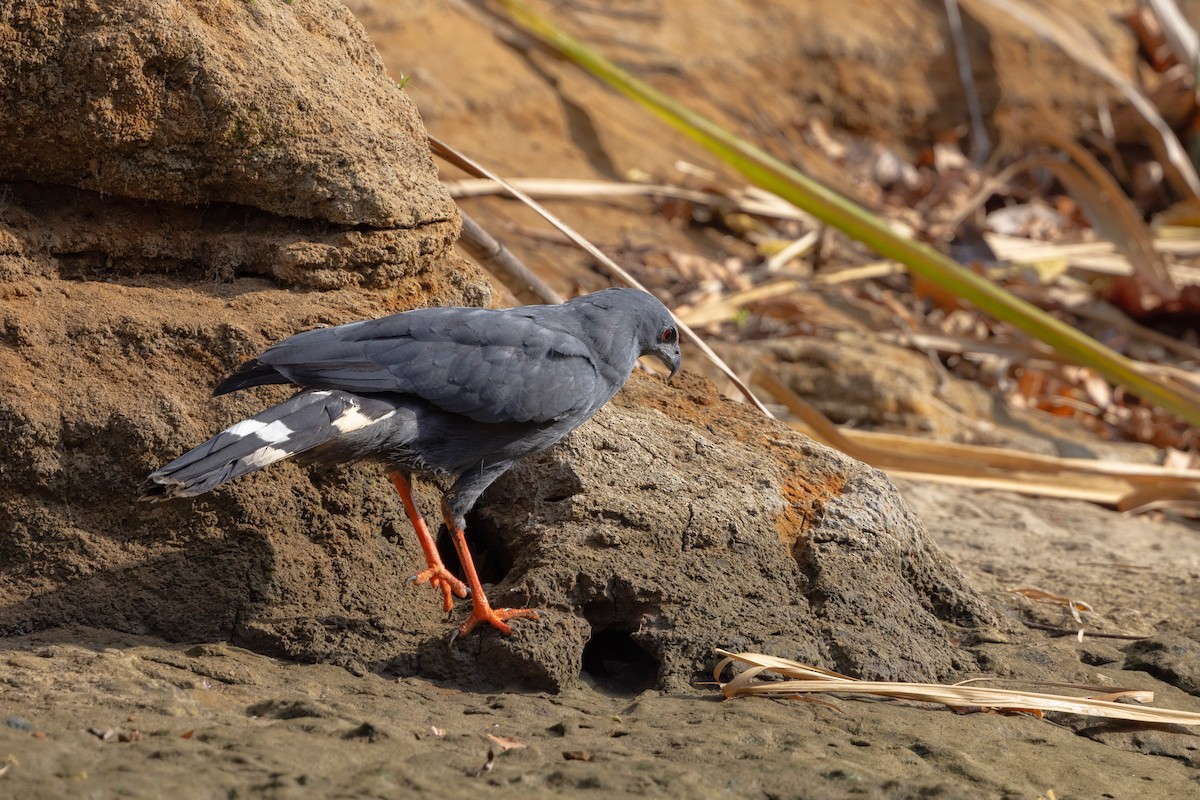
point(760, 204)
point(1114, 483)
point(1097, 256)
point(726, 308)
point(499, 260)
point(805, 679)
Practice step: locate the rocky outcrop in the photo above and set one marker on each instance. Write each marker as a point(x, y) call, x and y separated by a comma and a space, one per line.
point(672, 523)
point(267, 135)
point(189, 169)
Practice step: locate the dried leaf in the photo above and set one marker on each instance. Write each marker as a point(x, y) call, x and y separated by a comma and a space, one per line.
point(1042, 596)
point(506, 742)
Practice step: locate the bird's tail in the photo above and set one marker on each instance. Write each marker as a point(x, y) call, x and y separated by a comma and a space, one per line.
point(307, 420)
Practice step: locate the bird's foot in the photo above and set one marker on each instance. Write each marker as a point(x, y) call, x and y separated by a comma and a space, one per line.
point(496, 617)
point(440, 578)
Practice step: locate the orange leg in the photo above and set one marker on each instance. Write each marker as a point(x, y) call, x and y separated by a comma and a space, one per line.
point(437, 575)
point(481, 610)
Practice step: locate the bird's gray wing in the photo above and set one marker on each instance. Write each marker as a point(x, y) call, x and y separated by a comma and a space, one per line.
point(490, 366)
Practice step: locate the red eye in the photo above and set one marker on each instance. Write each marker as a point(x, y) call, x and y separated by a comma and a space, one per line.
point(668, 336)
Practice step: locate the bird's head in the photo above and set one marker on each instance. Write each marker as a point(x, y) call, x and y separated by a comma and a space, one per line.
point(665, 346)
point(631, 316)
point(658, 330)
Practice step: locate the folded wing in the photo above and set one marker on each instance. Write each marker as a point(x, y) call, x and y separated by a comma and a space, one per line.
point(490, 366)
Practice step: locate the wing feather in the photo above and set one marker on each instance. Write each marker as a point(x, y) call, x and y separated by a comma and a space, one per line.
point(511, 365)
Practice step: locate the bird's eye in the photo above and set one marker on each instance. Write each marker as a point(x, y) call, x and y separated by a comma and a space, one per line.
point(668, 336)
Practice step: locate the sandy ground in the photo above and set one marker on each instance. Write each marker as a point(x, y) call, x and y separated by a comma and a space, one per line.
point(91, 713)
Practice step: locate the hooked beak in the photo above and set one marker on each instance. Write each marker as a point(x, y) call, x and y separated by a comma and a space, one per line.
point(672, 360)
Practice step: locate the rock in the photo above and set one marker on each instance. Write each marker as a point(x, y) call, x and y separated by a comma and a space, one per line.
point(855, 380)
point(278, 106)
point(123, 296)
point(673, 523)
point(56, 231)
point(290, 709)
point(872, 384)
point(1160, 741)
point(269, 135)
point(1172, 658)
point(733, 532)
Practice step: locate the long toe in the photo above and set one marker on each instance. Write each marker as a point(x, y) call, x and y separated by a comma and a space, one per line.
point(496, 617)
point(440, 579)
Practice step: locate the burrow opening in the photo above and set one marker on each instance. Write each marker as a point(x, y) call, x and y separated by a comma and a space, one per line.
point(616, 663)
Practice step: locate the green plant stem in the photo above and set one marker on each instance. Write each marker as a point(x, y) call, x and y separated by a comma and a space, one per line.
point(830, 207)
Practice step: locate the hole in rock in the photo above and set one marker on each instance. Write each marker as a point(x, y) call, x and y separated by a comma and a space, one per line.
point(616, 663)
point(489, 550)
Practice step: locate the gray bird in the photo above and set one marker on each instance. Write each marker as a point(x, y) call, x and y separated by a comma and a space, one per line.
point(459, 392)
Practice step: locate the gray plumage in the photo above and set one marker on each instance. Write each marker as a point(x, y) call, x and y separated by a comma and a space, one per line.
point(463, 392)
